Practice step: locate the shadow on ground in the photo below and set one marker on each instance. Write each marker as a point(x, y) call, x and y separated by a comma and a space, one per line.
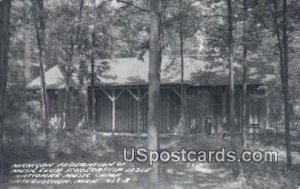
point(179, 175)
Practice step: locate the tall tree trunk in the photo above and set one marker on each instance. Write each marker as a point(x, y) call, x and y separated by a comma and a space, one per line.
point(284, 72)
point(27, 55)
point(182, 91)
point(285, 86)
point(180, 130)
point(277, 32)
point(92, 118)
point(5, 6)
point(182, 72)
point(93, 95)
point(154, 85)
point(93, 76)
point(81, 6)
point(279, 45)
point(66, 113)
point(232, 125)
point(280, 48)
point(244, 97)
point(40, 28)
point(82, 97)
point(231, 69)
point(74, 41)
point(27, 41)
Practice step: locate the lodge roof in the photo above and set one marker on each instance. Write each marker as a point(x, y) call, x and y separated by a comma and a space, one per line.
point(132, 71)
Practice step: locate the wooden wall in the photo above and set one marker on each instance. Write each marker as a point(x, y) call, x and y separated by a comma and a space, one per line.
point(56, 100)
point(127, 115)
point(206, 106)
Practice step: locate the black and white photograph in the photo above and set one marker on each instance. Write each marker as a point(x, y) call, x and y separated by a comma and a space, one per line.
point(149, 94)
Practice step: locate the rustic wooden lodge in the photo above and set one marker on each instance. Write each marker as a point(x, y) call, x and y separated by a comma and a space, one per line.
point(121, 94)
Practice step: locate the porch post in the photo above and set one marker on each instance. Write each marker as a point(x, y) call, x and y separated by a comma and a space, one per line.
point(224, 107)
point(240, 112)
point(267, 124)
point(113, 100)
point(139, 126)
point(139, 97)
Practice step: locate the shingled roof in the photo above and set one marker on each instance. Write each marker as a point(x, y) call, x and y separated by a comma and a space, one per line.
point(132, 71)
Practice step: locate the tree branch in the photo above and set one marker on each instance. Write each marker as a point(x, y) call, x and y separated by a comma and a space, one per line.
point(130, 3)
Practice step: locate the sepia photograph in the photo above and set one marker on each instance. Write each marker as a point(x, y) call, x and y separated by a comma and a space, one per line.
point(149, 94)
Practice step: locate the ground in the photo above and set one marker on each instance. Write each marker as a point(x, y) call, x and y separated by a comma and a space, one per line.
point(178, 175)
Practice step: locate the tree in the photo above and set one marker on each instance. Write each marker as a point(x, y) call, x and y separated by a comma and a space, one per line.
point(5, 6)
point(67, 32)
point(282, 44)
point(244, 63)
point(73, 43)
point(285, 84)
point(185, 23)
point(155, 56)
point(40, 29)
point(82, 97)
point(231, 71)
point(95, 45)
point(27, 41)
point(232, 124)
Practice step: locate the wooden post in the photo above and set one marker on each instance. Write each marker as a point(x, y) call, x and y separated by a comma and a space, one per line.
point(267, 123)
point(224, 107)
point(255, 120)
point(241, 112)
point(113, 100)
point(185, 105)
point(167, 117)
point(139, 97)
point(139, 116)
